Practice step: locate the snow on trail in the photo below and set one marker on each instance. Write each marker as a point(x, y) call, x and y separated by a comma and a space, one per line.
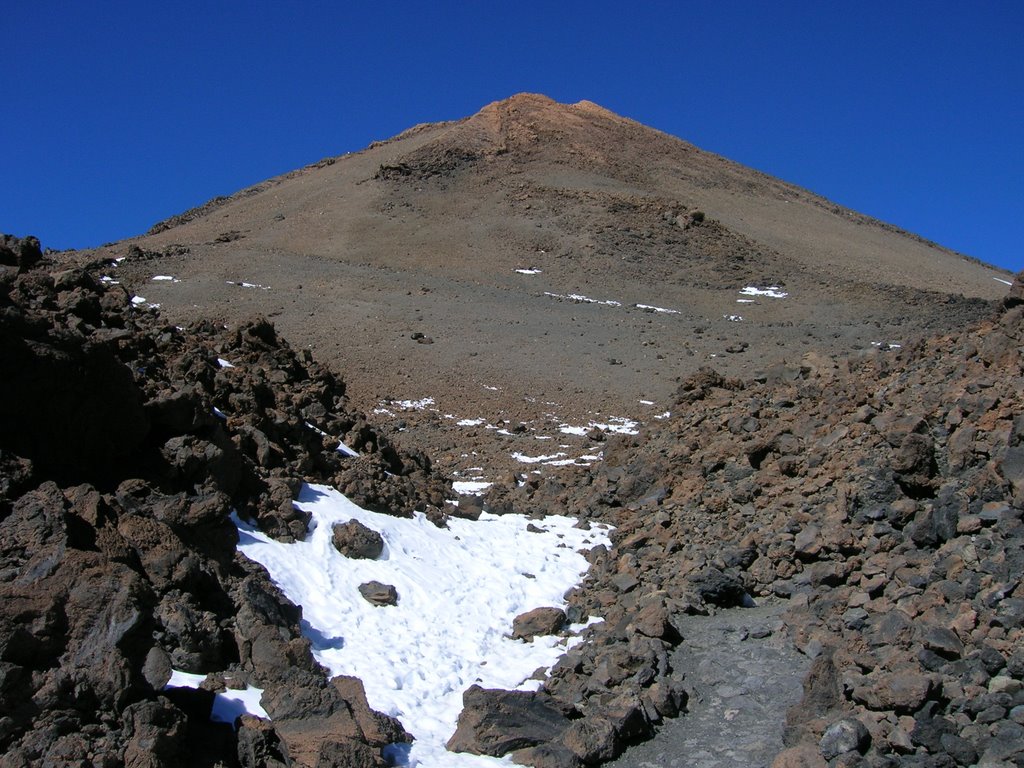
point(459, 589)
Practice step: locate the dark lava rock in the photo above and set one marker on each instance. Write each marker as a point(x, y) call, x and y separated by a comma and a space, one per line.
point(496, 722)
point(716, 588)
point(846, 735)
point(379, 594)
point(592, 740)
point(355, 540)
point(23, 252)
point(539, 621)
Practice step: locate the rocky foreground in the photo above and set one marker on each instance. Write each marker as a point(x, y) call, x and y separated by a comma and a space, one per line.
point(881, 496)
point(125, 445)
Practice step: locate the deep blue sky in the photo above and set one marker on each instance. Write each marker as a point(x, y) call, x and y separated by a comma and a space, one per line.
point(118, 114)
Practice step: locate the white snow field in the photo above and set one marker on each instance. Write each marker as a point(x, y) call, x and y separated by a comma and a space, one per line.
point(459, 588)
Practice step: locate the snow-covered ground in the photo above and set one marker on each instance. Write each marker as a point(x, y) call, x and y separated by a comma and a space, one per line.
point(771, 292)
point(243, 284)
point(584, 299)
point(459, 588)
point(659, 310)
point(619, 425)
point(228, 704)
point(470, 486)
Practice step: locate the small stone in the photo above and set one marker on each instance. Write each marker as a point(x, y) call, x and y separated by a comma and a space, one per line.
point(624, 582)
point(379, 594)
point(355, 540)
point(968, 524)
point(1004, 684)
point(900, 691)
point(591, 739)
point(958, 748)
point(539, 621)
point(846, 735)
point(943, 642)
point(803, 756)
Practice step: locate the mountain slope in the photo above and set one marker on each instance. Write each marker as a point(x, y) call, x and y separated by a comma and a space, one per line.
point(423, 234)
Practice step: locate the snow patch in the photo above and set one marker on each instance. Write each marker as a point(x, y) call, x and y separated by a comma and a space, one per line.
point(228, 705)
point(1000, 280)
point(464, 487)
point(661, 310)
point(459, 588)
point(771, 291)
point(528, 271)
point(241, 284)
point(165, 278)
point(224, 363)
point(579, 297)
point(619, 425)
point(522, 458)
point(469, 422)
point(408, 405)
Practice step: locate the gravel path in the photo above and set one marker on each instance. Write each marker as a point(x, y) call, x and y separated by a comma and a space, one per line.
point(742, 675)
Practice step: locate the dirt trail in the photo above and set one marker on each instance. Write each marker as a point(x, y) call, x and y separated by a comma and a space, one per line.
point(742, 674)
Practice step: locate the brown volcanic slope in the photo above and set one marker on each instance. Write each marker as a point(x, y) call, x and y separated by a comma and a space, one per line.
point(423, 234)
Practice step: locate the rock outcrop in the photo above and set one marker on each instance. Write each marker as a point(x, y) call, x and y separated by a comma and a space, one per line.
point(882, 495)
point(125, 447)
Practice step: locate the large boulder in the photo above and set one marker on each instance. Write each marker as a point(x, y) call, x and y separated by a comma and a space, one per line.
point(539, 621)
point(357, 541)
point(495, 722)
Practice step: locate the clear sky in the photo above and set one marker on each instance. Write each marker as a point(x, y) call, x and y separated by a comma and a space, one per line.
point(116, 115)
